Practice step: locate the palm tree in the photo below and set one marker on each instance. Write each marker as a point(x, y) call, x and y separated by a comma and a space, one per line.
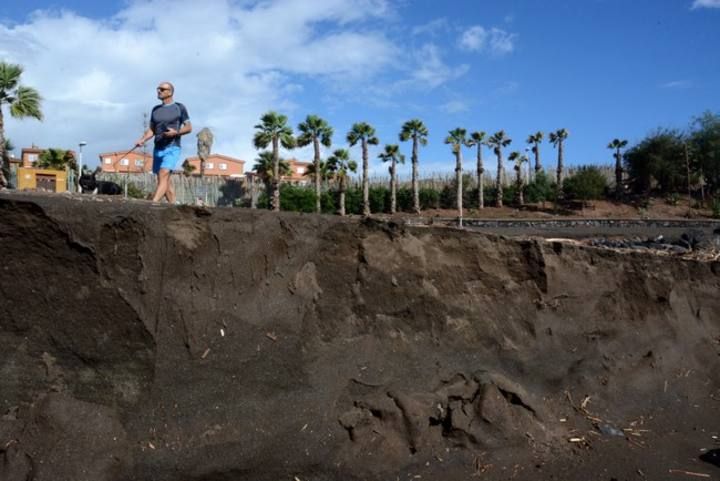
point(317, 131)
point(519, 159)
point(618, 144)
point(392, 154)
point(265, 169)
point(535, 140)
point(273, 129)
point(58, 159)
point(557, 138)
point(23, 102)
point(414, 129)
point(325, 173)
point(365, 134)
point(478, 139)
point(340, 164)
point(497, 142)
point(456, 138)
point(5, 161)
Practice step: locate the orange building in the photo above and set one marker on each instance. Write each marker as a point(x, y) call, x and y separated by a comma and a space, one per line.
point(219, 165)
point(298, 173)
point(133, 162)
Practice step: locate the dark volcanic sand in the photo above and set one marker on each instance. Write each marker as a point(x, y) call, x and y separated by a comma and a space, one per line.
point(142, 342)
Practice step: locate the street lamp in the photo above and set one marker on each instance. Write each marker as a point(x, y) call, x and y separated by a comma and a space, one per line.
point(80, 163)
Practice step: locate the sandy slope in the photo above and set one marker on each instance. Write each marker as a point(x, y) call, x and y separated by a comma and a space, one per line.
point(148, 342)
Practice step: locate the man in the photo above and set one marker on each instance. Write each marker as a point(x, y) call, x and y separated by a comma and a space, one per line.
point(168, 122)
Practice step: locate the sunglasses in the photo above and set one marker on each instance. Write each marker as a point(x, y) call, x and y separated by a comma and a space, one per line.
point(163, 88)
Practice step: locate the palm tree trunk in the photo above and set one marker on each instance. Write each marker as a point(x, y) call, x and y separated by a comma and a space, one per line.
point(559, 172)
point(316, 145)
point(366, 180)
point(480, 172)
point(416, 190)
point(342, 197)
point(459, 181)
point(518, 180)
point(3, 154)
point(498, 182)
point(276, 175)
point(393, 187)
point(538, 167)
point(618, 174)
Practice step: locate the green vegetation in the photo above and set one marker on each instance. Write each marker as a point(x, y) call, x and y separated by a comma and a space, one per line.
point(588, 183)
point(21, 100)
point(58, 159)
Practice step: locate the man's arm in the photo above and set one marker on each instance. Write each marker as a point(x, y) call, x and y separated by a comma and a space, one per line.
point(149, 134)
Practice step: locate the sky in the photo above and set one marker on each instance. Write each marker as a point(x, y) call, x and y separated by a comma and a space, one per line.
point(599, 68)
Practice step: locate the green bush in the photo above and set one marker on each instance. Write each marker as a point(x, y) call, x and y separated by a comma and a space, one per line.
point(715, 206)
point(429, 198)
point(672, 199)
point(135, 192)
point(586, 184)
point(379, 198)
point(541, 189)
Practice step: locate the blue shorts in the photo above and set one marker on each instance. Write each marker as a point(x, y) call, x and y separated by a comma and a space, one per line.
point(167, 158)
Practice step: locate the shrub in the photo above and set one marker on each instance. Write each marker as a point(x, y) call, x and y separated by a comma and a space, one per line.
point(429, 198)
point(672, 199)
point(134, 191)
point(586, 184)
point(541, 189)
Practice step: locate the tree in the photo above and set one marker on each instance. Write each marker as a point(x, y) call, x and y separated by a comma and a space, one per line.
point(317, 131)
point(456, 139)
point(188, 168)
point(22, 101)
point(325, 174)
point(498, 141)
point(477, 139)
point(616, 145)
point(265, 169)
point(535, 140)
point(392, 154)
point(273, 129)
point(705, 145)
point(57, 159)
point(557, 138)
point(5, 161)
point(657, 162)
point(365, 134)
point(586, 184)
point(519, 159)
point(340, 164)
point(414, 129)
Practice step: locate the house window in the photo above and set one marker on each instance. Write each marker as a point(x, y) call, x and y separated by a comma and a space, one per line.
point(107, 160)
point(209, 165)
point(32, 157)
point(124, 162)
point(139, 163)
point(222, 166)
point(301, 170)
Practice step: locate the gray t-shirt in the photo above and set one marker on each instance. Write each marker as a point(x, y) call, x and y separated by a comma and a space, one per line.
point(164, 117)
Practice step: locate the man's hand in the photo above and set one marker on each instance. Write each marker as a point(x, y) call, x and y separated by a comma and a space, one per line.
point(170, 133)
point(140, 143)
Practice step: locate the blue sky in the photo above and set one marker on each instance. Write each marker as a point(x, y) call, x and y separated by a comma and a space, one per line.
point(600, 68)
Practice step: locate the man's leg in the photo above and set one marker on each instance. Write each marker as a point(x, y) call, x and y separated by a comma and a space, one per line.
point(170, 194)
point(162, 187)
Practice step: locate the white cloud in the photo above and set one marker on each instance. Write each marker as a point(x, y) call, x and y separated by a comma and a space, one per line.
point(230, 62)
point(432, 28)
point(705, 4)
point(431, 70)
point(454, 107)
point(677, 84)
point(495, 41)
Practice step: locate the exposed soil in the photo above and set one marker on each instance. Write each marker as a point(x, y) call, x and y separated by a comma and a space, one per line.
point(147, 342)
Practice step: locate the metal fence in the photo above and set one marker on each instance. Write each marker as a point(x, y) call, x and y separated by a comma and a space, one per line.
point(196, 190)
